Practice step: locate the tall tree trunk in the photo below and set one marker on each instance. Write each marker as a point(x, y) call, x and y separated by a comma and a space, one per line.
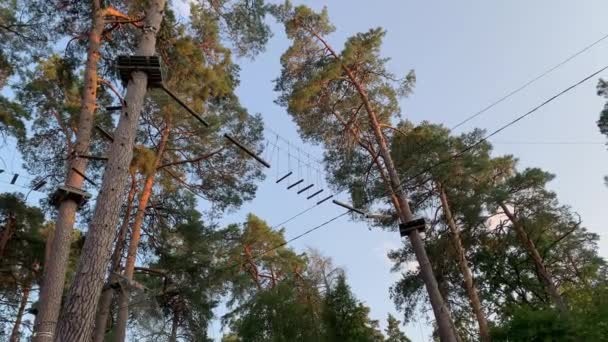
point(144, 198)
point(543, 273)
point(174, 323)
point(24, 297)
point(447, 330)
point(105, 302)
point(469, 283)
point(53, 278)
point(78, 314)
point(7, 234)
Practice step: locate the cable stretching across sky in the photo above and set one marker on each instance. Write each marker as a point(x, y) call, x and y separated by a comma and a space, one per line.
point(454, 156)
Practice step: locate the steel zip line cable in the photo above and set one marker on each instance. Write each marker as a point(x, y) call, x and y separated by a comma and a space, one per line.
point(530, 82)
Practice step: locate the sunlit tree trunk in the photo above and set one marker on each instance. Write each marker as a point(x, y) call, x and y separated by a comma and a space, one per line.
point(78, 315)
point(53, 279)
point(144, 198)
point(469, 282)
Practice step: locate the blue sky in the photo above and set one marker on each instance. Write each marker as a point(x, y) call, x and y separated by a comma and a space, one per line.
point(466, 55)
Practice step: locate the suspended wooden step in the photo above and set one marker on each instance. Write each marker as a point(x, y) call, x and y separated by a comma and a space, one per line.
point(39, 185)
point(325, 199)
point(86, 156)
point(406, 228)
point(14, 178)
point(282, 178)
point(64, 192)
point(246, 150)
point(113, 108)
point(126, 65)
point(296, 183)
point(306, 188)
point(315, 194)
point(349, 207)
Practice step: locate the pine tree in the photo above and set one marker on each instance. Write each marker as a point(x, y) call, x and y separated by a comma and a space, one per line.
point(345, 101)
point(21, 257)
point(392, 332)
point(76, 322)
point(346, 318)
point(423, 154)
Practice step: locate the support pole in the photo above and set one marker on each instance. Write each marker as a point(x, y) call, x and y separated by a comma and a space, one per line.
point(193, 113)
point(246, 150)
point(349, 207)
point(84, 176)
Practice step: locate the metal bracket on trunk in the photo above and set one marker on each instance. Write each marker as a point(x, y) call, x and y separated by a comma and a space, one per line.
point(406, 228)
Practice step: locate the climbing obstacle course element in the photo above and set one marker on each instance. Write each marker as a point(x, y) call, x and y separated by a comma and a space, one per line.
point(104, 133)
point(325, 199)
point(151, 65)
point(283, 178)
point(64, 192)
point(89, 180)
point(181, 103)
point(315, 194)
point(15, 176)
point(349, 207)
point(305, 188)
point(246, 150)
point(39, 185)
point(294, 184)
point(90, 157)
point(113, 108)
point(148, 64)
point(406, 228)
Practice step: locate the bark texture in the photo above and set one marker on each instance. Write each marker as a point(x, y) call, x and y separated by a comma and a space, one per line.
point(53, 278)
point(469, 282)
point(105, 302)
point(543, 273)
point(78, 314)
point(144, 198)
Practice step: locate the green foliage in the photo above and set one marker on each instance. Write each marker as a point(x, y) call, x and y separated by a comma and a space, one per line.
point(393, 333)
point(22, 255)
point(476, 183)
point(277, 314)
point(12, 118)
point(52, 94)
point(281, 296)
point(241, 22)
point(347, 318)
point(324, 91)
point(602, 123)
point(586, 321)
